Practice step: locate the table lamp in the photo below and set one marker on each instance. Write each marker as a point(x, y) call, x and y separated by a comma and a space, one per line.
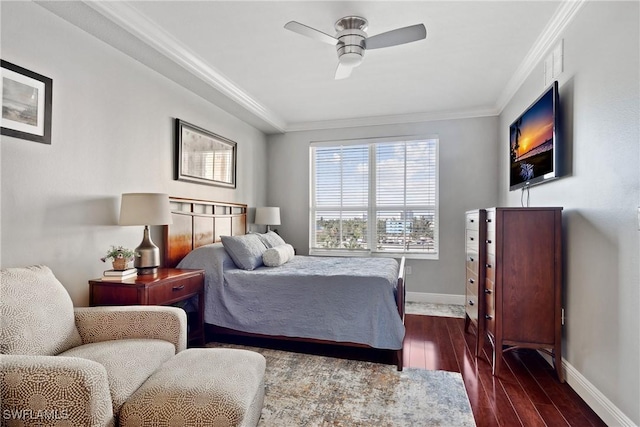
point(145, 209)
point(267, 216)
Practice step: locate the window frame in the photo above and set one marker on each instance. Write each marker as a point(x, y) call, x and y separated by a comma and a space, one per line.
point(372, 207)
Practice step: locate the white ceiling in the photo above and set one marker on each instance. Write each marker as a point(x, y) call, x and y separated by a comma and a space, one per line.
point(237, 54)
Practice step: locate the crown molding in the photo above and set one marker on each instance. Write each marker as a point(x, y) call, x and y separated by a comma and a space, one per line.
point(140, 26)
point(146, 30)
point(556, 25)
point(391, 120)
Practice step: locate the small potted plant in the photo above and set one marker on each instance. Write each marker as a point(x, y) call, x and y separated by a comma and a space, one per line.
point(119, 256)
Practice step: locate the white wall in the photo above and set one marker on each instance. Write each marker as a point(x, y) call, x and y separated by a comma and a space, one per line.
point(468, 173)
point(600, 96)
point(112, 133)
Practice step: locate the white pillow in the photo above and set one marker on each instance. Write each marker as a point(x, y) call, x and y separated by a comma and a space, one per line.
point(278, 255)
point(245, 251)
point(271, 239)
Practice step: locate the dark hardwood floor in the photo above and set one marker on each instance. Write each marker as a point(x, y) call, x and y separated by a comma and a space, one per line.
point(527, 393)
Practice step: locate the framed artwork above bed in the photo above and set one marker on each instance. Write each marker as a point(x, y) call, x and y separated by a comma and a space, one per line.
point(203, 157)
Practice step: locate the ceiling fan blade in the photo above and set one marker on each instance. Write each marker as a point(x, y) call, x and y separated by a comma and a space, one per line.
point(343, 71)
point(397, 36)
point(307, 31)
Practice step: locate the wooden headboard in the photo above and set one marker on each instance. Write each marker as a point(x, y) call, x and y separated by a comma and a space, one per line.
point(200, 222)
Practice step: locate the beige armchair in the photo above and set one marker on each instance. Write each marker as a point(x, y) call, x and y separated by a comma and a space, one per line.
point(66, 366)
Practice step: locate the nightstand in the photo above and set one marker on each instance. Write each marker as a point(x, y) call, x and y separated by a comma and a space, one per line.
point(168, 287)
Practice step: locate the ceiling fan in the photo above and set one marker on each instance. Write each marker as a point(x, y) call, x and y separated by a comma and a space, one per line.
point(351, 41)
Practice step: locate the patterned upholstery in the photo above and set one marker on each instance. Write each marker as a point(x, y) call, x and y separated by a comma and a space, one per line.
point(97, 324)
point(122, 347)
point(126, 369)
point(200, 387)
point(48, 391)
point(37, 313)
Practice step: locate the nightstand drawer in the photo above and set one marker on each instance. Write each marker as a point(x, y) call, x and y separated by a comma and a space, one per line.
point(165, 293)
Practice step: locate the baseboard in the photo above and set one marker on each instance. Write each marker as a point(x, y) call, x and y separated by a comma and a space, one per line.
point(435, 298)
point(597, 401)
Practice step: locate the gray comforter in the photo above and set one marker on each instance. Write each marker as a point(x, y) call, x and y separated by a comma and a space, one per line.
point(328, 298)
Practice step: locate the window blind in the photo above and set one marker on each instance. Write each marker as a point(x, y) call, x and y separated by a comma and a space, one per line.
point(378, 197)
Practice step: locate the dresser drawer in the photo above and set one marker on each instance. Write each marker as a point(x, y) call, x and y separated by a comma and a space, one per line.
point(471, 307)
point(472, 221)
point(491, 221)
point(490, 243)
point(473, 262)
point(168, 292)
point(489, 305)
point(490, 267)
point(472, 281)
point(473, 242)
point(489, 308)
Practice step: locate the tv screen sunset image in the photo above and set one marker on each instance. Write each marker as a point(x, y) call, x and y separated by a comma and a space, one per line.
point(531, 142)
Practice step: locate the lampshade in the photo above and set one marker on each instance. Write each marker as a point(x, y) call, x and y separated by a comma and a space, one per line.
point(145, 209)
point(268, 216)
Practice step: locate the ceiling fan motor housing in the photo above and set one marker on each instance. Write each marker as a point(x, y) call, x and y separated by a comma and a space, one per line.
point(351, 40)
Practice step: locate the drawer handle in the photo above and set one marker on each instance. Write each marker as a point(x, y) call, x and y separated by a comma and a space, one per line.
point(488, 316)
point(471, 238)
point(489, 242)
point(471, 220)
point(178, 288)
point(488, 220)
point(488, 291)
point(471, 259)
point(470, 302)
point(488, 265)
point(471, 281)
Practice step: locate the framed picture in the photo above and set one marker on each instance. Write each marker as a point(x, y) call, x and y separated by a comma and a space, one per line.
point(204, 157)
point(26, 104)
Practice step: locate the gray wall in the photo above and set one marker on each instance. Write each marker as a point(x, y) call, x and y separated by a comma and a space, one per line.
point(599, 94)
point(112, 133)
point(468, 174)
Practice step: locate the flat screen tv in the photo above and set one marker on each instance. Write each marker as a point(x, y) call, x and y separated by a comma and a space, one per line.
point(533, 142)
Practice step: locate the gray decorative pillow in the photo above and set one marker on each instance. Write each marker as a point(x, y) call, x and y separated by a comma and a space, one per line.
point(278, 255)
point(245, 251)
point(271, 239)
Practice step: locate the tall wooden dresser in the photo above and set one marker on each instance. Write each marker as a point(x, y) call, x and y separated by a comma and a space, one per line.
point(523, 282)
point(475, 236)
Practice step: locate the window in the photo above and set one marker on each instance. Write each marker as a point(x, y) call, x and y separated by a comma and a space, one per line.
point(375, 197)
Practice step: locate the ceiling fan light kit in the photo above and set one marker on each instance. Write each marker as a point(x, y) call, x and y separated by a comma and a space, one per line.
point(351, 41)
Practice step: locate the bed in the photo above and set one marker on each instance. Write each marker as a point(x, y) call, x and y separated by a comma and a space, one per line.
point(347, 301)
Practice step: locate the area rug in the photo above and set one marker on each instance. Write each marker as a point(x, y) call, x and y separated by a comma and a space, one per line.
point(310, 390)
point(432, 309)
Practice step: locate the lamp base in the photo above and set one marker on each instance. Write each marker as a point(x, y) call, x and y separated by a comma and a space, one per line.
point(147, 255)
point(147, 270)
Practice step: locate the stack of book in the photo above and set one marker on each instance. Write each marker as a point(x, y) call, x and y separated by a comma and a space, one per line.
point(119, 274)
